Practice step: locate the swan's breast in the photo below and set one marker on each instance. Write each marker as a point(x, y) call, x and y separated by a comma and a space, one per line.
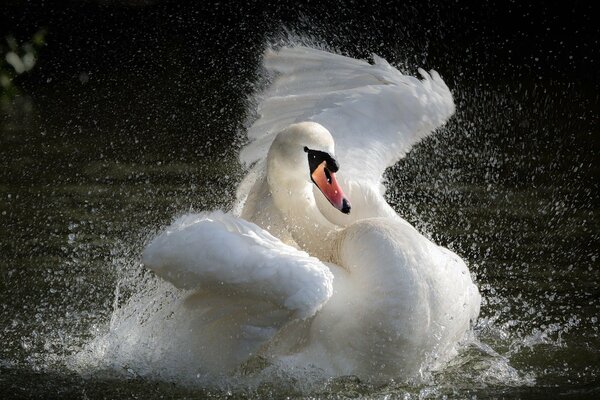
point(260, 209)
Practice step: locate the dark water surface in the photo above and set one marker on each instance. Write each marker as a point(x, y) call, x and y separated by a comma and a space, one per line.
point(134, 115)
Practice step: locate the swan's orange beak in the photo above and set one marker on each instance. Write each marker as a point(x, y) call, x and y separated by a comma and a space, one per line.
point(326, 182)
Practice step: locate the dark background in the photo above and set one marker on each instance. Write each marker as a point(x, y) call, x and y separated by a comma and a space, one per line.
point(544, 40)
point(133, 114)
point(196, 61)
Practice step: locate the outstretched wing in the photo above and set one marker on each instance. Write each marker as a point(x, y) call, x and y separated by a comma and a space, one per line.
point(219, 253)
point(374, 112)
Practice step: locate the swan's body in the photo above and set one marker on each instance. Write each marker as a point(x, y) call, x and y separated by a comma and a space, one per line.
point(293, 279)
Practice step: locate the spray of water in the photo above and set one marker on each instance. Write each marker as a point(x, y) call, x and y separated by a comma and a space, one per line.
point(506, 184)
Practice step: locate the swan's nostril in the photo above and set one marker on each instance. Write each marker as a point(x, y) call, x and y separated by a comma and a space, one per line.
point(346, 207)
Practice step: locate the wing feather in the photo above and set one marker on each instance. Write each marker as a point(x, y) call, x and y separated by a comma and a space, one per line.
point(374, 112)
point(219, 253)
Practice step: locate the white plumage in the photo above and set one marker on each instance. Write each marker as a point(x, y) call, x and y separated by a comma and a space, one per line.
point(374, 113)
point(220, 253)
point(287, 276)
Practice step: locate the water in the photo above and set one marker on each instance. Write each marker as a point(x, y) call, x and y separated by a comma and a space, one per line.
point(95, 160)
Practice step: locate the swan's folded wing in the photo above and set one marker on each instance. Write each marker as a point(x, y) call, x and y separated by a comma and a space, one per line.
point(374, 112)
point(219, 253)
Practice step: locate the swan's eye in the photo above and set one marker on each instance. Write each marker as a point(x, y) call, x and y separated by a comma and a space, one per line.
point(316, 158)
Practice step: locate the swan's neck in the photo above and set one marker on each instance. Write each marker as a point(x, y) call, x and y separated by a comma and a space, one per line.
point(294, 197)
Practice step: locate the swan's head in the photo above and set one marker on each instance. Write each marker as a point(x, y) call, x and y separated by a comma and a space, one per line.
point(303, 153)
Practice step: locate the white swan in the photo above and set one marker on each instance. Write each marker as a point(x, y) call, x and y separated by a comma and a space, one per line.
point(361, 293)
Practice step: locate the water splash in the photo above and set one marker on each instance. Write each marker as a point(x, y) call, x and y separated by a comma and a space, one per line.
point(509, 184)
